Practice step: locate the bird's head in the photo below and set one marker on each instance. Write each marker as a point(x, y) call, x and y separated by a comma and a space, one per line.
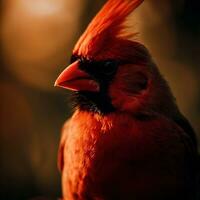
point(109, 71)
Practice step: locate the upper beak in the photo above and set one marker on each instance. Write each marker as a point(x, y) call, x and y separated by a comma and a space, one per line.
point(73, 78)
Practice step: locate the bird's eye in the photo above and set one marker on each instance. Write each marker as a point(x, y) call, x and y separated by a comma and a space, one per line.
point(109, 67)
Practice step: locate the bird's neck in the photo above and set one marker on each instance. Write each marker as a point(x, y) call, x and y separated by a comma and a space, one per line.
point(110, 120)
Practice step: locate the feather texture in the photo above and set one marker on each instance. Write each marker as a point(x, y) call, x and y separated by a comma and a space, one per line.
point(106, 27)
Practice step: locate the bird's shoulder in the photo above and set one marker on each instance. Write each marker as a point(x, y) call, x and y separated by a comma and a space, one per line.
point(151, 133)
point(143, 123)
point(149, 127)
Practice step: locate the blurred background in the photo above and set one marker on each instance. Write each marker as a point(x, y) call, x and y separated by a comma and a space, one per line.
point(37, 37)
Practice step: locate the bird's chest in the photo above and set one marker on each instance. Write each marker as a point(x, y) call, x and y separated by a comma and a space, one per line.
point(104, 152)
point(94, 151)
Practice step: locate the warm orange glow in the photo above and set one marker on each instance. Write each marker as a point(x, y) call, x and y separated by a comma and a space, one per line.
point(37, 37)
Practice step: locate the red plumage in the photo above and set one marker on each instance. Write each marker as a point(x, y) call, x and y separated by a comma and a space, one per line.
point(127, 139)
point(106, 29)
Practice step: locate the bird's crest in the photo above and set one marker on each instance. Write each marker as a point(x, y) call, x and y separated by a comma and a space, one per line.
point(106, 26)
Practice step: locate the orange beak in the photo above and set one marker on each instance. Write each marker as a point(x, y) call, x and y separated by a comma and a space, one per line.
point(74, 79)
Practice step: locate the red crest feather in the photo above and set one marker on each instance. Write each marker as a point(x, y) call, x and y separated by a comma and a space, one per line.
point(106, 26)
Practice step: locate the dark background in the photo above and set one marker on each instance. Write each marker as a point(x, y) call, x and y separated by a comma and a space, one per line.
point(37, 37)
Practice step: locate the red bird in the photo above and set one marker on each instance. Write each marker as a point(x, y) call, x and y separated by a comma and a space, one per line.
point(127, 139)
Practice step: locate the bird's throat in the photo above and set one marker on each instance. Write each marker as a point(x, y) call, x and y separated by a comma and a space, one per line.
point(97, 102)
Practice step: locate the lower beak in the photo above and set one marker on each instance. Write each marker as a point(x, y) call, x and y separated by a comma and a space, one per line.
point(74, 79)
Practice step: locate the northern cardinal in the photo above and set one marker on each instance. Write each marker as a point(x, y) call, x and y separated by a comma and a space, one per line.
point(127, 139)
